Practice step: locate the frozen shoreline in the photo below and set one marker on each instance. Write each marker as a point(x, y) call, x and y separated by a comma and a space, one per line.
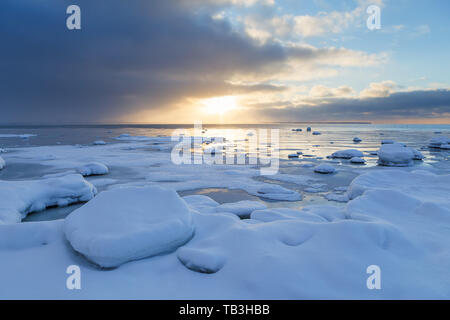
point(397, 218)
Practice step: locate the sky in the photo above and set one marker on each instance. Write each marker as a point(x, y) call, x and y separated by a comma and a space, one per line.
point(224, 61)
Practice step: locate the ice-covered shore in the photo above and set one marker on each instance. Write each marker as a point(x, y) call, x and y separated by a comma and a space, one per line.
point(168, 247)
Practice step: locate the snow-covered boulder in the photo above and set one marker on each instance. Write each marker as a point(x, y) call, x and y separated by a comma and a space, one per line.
point(125, 224)
point(316, 133)
point(417, 154)
point(436, 142)
point(387, 141)
point(347, 154)
point(2, 163)
point(99, 143)
point(357, 160)
point(242, 209)
point(396, 155)
point(293, 155)
point(445, 146)
point(356, 139)
point(324, 168)
point(18, 198)
point(93, 168)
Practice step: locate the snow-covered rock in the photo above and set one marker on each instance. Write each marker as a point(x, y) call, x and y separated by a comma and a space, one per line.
point(316, 133)
point(18, 198)
point(357, 160)
point(347, 154)
point(125, 224)
point(93, 168)
point(2, 150)
point(299, 152)
point(397, 155)
point(436, 142)
point(324, 168)
point(293, 155)
point(99, 143)
point(242, 208)
point(2, 163)
point(356, 139)
point(387, 141)
point(308, 129)
point(445, 146)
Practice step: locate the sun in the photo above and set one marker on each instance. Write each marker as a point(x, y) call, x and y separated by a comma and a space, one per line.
point(219, 105)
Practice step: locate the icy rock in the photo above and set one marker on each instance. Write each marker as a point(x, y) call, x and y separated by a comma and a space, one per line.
point(201, 260)
point(316, 133)
point(93, 168)
point(293, 155)
point(299, 152)
point(347, 154)
point(99, 143)
point(298, 129)
point(2, 163)
point(242, 209)
point(308, 129)
point(324, 168)
point(395, 155)
point(436, 142)
point(357, 160)
point(18, 198)
point(129, 223)
point(356, 139)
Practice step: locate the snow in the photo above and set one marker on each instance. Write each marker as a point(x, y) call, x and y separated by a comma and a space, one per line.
point(357, 160)
point(126, 224)
point(324, 168)
point(356, 139)
point(396, 155)
point(241, 208)
point(19, 198)
point(201, 260)
point(2, 163)
point(93, 168)
point(99, 143)
point(347, 154)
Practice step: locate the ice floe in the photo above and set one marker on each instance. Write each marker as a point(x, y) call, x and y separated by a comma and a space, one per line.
point(438, 141)
point(18, 198)
point(324, 168)
point(93, 168)
point(127, 224)
point(347, 154)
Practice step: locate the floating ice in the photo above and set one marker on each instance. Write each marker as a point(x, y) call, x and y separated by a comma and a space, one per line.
point(436, 142)
point(93, 168)
point(2, 163)
point(445, 146)
point(356, 139)
point(357, 160)
point(387, 141)
point(99, 143)
point(127, 224)
point(347, 154)
point(23, 136)
point(18, 198)
point(324, 168)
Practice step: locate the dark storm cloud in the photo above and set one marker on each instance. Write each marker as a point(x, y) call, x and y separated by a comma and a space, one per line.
point(410, 104)
point(128, 54)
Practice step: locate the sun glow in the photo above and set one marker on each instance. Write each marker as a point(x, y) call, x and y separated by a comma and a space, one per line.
point(219, 105)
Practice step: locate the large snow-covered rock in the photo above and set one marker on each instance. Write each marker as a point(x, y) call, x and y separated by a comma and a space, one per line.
point(18, 198)
point(347, 154)
point(324, 168)
point(125, 224)
point(397, 155)
point(2, 163)
point(93, 168)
